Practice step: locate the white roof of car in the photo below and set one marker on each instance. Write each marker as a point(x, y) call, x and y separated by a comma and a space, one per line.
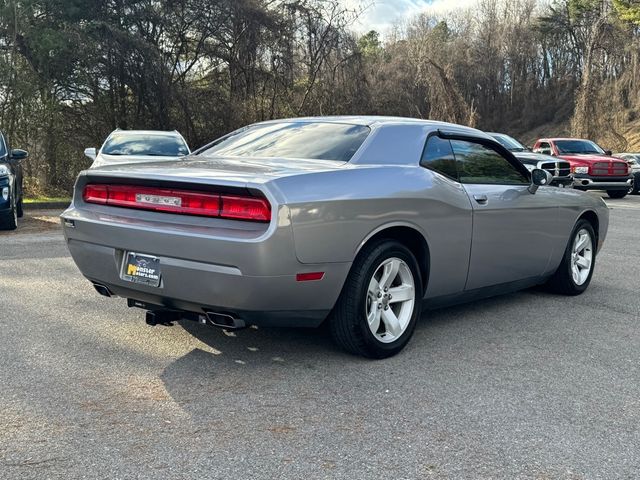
point(147, 132)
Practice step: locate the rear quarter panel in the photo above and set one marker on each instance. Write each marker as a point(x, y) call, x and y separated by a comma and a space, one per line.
point(572, 205)
point(334, 213)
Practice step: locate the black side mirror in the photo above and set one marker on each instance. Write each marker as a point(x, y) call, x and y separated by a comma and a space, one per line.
point(539, 178)
point(18, 154)
point(608, 152)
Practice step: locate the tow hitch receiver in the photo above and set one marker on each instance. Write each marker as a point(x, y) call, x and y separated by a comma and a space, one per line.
point(162, 317)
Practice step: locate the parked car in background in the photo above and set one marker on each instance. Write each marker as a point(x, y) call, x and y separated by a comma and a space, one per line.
point(11, 184)
point(356, 219)
point(559, 169)
point(135, 146)
point(592, 167)
point(634, 161)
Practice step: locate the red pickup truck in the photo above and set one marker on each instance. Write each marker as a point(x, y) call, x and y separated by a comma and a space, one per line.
point(592, 167)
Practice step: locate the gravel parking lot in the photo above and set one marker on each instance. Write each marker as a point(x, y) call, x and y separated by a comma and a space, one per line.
point(528, 385)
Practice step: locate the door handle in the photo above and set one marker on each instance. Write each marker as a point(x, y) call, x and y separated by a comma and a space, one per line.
point(481, 199)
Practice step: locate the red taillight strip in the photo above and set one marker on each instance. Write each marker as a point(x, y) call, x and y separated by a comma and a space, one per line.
point(181, 202)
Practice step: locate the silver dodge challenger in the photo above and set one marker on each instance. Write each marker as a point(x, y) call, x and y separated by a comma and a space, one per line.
point(362, 221)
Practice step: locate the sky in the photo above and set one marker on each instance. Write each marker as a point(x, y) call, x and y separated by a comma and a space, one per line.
point(381, 14)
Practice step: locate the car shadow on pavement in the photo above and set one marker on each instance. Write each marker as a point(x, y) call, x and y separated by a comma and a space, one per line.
point(289, 361)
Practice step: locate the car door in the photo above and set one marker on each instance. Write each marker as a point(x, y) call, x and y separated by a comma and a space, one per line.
point(512, 235)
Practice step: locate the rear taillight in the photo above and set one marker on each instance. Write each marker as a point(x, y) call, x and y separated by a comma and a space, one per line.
point(181, 202)
point(95, 194)
point(245, 208)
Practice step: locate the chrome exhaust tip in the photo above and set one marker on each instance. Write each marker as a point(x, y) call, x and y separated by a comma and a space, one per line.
point(102, 290)
point(224, 320)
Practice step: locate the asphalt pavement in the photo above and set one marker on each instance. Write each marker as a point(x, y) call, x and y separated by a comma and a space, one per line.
point(528, 385)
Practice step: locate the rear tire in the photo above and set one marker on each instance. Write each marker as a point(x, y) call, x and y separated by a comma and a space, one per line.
point(367, 320)
point(617, 193)
point(573, 276)
point(20, 209)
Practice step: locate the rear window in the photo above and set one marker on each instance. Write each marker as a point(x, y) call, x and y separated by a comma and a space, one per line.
point(312, 140)
point(141, 144)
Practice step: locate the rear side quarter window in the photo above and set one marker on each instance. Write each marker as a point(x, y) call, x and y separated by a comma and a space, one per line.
point(438, 156)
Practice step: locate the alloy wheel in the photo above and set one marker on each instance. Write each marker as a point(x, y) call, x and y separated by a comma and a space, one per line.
point(390, 300)
point(581, 257)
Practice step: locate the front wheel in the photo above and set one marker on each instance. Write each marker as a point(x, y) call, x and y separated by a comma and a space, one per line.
point(576, 269)
point(617, 193)
point(380, 302)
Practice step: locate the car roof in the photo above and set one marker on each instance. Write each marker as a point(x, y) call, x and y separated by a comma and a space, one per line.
point(375, 120)
point(147, 132)
point(553, 139)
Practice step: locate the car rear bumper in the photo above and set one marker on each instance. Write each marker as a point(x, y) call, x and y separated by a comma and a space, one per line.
point(251, 280)
point(585, 182)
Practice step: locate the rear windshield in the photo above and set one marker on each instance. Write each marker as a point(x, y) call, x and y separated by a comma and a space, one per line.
point(578, 146)
point(141, 144)
point(312, 140)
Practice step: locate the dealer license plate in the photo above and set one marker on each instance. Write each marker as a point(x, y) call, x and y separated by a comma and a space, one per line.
point(143, 269)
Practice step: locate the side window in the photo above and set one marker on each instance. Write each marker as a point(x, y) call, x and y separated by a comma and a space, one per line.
point(480, 164)
point(544, 147)
point(438, 156)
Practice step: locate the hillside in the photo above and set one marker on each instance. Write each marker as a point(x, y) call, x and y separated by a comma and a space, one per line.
point(630, 131)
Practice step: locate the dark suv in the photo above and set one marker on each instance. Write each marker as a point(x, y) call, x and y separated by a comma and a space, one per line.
point(10, 184)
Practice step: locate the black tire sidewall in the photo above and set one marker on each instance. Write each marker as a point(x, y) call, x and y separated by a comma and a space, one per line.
point(20, 208)
point(379, 254)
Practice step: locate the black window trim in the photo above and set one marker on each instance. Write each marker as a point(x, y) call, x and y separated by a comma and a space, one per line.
point(490, 143)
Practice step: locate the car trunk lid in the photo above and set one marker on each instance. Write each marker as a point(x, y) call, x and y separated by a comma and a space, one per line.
point(217, 170)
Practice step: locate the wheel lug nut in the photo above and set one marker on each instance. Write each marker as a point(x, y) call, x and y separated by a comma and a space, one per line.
point(379, 294)
point(390, 297)
point(386, 307)
point(379, 306)
point(386, 289)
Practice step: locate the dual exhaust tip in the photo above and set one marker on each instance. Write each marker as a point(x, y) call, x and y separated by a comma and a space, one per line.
point(162, 316)
point(167, 317)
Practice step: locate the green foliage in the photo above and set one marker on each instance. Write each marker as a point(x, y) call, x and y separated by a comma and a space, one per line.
point(73, 70)
point(628, 10)
point(369, 44)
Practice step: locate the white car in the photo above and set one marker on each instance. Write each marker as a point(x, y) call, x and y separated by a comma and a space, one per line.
point(634, 162)
point(137, 146)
